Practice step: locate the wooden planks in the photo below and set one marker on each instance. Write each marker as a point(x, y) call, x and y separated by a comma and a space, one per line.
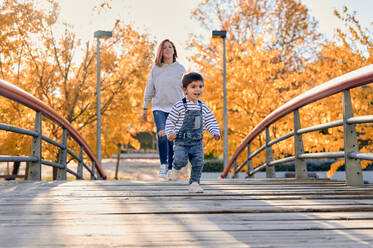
point(231, 213)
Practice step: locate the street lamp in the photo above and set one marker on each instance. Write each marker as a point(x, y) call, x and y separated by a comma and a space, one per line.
point(223, 34)
point(99, 34)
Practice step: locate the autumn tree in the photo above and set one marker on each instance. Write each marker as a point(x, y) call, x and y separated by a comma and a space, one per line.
point(61, 71)
point(351, 50)
point(18, 19)
point(275, 53)
point(130, 74)
point(268, 43)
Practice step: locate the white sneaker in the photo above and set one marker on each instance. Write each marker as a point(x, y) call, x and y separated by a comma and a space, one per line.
point(175, 174)
point(169, 175)
point(163, 170)
point(195, 188)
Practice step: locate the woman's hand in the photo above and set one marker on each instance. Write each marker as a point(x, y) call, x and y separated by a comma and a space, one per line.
point(216, 137)
point(144, 115)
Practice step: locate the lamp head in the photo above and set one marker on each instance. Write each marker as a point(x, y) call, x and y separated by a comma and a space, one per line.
point(103, 34)
point(219, 33)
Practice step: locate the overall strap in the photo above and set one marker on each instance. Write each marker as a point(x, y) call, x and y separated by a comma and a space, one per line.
point(200, 105)
point(185, 104)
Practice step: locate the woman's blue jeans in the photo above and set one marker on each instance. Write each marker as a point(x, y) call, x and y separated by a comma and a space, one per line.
point(165, 147)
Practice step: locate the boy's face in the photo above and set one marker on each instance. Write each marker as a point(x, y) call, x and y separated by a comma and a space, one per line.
point(194, 91)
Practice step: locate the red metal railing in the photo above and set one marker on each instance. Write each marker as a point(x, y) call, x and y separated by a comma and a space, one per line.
point(14, 93)
point(345, 82)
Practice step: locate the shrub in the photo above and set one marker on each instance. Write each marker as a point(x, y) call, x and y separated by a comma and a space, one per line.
point(213, 165)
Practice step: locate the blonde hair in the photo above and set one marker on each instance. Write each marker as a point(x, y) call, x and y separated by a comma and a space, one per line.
point(159, 57)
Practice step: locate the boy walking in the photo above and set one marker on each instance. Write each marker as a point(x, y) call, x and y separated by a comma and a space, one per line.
point(185, 124)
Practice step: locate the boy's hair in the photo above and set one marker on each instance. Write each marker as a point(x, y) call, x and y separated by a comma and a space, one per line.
point(190, 77)
point(159, 56)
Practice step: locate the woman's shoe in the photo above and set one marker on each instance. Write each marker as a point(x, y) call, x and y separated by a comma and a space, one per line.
point(169, 175)
point(163, 170)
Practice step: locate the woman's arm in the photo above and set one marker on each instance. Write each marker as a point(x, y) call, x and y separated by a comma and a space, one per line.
point(148, 96)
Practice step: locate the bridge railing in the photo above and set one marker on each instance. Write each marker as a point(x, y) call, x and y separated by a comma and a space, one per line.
point(351, 153)
point(35, 160)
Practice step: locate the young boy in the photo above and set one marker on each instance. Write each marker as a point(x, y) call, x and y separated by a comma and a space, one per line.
point(185, 124)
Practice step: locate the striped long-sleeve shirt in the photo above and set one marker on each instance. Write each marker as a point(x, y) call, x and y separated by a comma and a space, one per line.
point(176, 117)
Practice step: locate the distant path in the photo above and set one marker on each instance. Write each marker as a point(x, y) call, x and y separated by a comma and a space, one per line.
point(129, 169)
point(132, 169)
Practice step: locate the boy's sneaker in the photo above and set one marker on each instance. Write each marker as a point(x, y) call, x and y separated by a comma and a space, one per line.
point(169, 175)
point(163, 170)
point(175, 174)
point(195, 188)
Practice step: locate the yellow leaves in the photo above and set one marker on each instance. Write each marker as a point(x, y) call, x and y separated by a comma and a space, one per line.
point(334, 167)
point(265, 69)
point(43, 66)
point(135, 143)
point(365, 163)
point(299, 43)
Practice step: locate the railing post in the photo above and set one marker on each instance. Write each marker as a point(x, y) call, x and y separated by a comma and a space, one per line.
point(118, 161)
point(249, 162)
point(80, 164)
point(270, 170)
point(34, 169)
point(98, 176)
point(61, 173)
point(93, 170)
point(235, 175)
point(354, 176)
point(300, 164)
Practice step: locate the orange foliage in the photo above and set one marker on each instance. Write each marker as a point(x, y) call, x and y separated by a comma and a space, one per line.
point(335, 59)
point(274, 53)
point(334, 167)
point(264, 55)
point(40, 63)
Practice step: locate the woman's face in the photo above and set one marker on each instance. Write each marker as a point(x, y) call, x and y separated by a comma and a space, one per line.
point(167, 51)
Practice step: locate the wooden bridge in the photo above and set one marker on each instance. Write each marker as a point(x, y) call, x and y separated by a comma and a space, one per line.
point(271, 212)
point(231, 213)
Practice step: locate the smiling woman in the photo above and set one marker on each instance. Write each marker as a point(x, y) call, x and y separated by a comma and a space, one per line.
point(164, 89)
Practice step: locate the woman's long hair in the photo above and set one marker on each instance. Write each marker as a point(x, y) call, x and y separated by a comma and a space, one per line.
point(159, 57)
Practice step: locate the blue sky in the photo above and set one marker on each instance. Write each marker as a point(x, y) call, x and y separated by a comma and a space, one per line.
point(323, 10)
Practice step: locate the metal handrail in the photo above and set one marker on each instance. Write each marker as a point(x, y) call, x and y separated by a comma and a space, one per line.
point(12, 92)
point(345, 82)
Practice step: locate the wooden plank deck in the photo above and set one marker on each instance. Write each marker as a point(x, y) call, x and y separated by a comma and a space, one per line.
point(231, 213)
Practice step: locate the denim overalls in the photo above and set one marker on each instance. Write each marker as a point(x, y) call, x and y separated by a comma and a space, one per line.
point(188, 143)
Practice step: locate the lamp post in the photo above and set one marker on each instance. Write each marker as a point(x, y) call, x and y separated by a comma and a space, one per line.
point(223, 34)
point(99, 34)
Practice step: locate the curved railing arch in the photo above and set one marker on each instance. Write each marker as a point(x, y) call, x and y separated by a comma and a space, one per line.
point(343, 83)
point(14, 93)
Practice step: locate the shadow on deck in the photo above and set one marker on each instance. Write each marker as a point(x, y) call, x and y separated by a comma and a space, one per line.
point(231, 213)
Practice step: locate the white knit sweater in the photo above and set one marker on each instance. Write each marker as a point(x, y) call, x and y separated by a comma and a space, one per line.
point(164, 87)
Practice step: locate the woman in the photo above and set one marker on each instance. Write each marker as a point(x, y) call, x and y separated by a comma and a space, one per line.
point(164, 89)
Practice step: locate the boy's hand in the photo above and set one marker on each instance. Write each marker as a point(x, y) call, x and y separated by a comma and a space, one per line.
point(171, 137)
point(217, 137)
